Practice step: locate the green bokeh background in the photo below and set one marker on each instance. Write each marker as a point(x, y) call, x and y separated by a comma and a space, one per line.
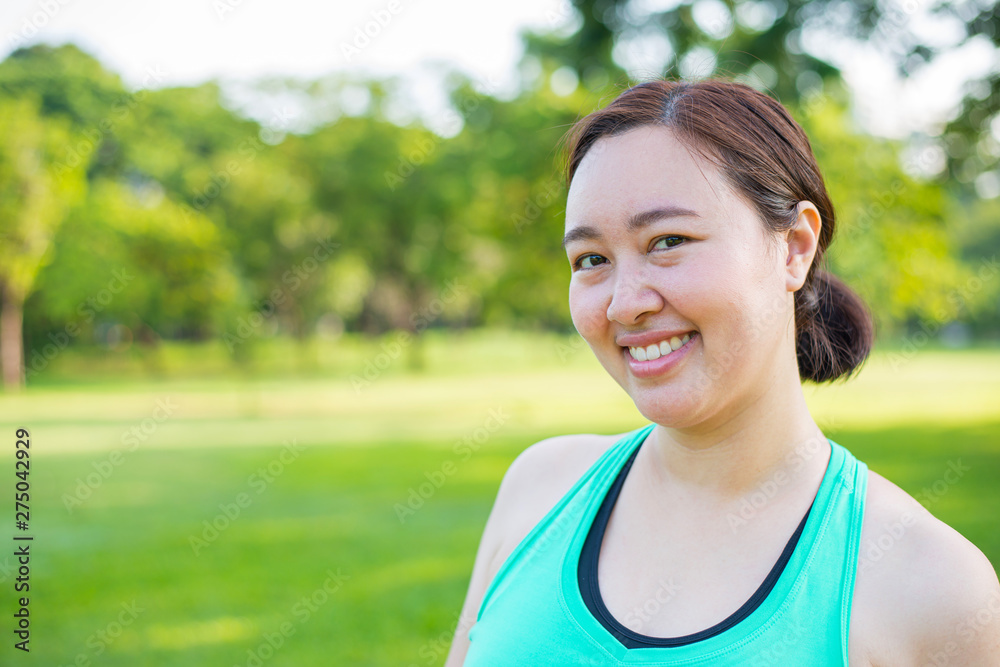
point(333, 509)
point(312, 397)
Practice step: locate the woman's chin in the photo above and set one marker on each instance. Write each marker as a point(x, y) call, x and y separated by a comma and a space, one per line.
point(669, 411)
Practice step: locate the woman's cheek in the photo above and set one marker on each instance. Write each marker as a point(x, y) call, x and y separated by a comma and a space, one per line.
point(586, 313)
point(587, 326)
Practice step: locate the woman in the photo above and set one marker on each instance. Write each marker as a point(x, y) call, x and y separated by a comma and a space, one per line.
point(696, 222)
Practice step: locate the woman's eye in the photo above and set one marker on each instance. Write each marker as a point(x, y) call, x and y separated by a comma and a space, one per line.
point(668, 242)
point(589, 261)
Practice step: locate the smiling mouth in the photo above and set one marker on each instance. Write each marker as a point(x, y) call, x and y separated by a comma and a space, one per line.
point(657, 350)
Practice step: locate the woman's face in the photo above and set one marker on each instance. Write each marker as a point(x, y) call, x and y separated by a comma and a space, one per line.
point(663, 251)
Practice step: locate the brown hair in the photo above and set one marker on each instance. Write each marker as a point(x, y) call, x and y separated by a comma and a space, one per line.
point(766, 156)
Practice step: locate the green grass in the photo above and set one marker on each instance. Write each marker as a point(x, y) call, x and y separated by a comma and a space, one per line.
point(332, 507)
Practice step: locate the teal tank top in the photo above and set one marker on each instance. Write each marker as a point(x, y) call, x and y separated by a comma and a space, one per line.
point(533, 612)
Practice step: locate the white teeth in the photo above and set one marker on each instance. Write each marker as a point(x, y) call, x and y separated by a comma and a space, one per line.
point(653, 352)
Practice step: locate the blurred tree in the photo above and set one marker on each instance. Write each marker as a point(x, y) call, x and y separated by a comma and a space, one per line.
point(972, 137)
point(399, 196)
point(226, 227)
point(132, 260)
point(184, 139)
point(510, 154)
point(281, 240)
point(35, 193)
point(789, 47)
point(759, 40)
point(67, 82)
point(976, 229)
point(896, 242)
point(152, 158)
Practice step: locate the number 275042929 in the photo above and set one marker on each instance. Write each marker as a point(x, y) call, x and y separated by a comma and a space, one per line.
point(21, 470)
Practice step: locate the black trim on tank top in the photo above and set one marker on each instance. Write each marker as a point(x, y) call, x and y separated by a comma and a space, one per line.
point(587, 579)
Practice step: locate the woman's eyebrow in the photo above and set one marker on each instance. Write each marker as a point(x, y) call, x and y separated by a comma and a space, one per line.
point(635, 222)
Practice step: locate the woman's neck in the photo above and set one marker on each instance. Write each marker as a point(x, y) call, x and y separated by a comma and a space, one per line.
point(771, 436)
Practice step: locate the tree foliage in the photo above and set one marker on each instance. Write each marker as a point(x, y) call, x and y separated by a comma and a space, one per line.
point(35, 193)
point(132, 216)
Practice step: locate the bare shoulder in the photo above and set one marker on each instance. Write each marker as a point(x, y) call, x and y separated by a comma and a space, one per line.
point(538, 478)
point(924, 593)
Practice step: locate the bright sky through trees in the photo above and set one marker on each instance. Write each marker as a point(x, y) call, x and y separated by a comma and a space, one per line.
point(190, 41)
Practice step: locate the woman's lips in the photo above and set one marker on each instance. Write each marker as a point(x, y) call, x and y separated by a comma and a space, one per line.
point(663, 363)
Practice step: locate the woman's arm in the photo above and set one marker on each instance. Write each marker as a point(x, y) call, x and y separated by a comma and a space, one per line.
point(489, 546)
point(537, 479)
point(925, 595)
point(959, 623)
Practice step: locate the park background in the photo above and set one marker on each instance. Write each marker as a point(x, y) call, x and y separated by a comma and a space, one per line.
point(277, 335)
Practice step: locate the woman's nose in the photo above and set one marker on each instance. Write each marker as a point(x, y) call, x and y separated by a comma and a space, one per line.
point(632, 298)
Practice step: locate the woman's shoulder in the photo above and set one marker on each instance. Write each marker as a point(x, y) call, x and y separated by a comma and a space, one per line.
point(537, 479)
point(924, 592)
point(544, 472)
point(558, 461)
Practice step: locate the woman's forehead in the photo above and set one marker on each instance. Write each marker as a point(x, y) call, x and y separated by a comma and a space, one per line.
point(644, 168)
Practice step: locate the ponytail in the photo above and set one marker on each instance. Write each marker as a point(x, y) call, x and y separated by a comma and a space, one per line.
point(834, 330)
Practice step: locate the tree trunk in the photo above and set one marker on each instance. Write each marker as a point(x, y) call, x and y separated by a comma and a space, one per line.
point(11, 342)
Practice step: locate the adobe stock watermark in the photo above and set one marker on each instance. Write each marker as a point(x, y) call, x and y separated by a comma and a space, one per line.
point(566, 350)
point(410, 161)
point(533, 207)
point(558, 527)
point(637, 618)
point(930, 495)
point(301, 612)
point(100, 641)
point(434, 650)
point(86, 311)
point(722, 363)
point(224, 7)
point(379, 20)
point(555, 18)
point(401, 340)
point(958, 297)
point(877, 209)
point(122, 108)
point(34, 22)
point(258, 481)
point(966, 630)
point(779, 651)
point(874, 549)
point(750, 505)
point(246, 151)
point(106, 467)
point(894, 18)
point(979, 621)
point(417, 156)
point(291, 281)
point(464, 448)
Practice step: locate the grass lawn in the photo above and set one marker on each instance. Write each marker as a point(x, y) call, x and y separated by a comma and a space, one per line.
point(308, 563)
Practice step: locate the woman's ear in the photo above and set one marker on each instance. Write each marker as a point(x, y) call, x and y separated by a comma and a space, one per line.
point(803, 241)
